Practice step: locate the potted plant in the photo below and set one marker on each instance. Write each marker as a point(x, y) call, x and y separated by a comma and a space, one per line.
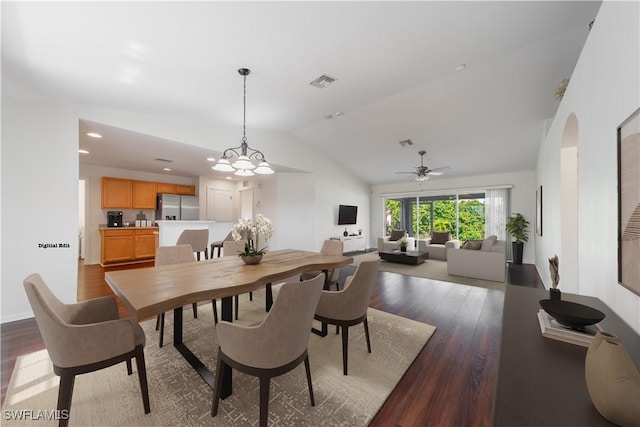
point(517, 226)
point(403, 244)
point(248, 229)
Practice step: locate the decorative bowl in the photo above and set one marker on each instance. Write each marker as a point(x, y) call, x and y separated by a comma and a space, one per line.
point(571, 314)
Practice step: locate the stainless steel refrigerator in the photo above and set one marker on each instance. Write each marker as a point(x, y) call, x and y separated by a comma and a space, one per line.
point(176, 207)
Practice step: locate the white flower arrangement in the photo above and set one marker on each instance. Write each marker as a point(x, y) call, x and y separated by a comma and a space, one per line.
point(251, 230)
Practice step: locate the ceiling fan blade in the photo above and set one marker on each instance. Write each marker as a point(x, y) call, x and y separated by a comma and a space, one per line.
point(438, 171)
point(412, 173)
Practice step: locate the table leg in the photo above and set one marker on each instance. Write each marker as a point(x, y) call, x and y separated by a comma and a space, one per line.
point(269, 297)
point(200, 368)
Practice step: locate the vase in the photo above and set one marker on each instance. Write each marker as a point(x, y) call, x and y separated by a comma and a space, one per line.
point(251, 259)
point(613, 381)
point(554, 293)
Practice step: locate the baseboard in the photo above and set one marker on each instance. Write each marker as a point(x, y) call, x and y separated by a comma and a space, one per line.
point(16, 317)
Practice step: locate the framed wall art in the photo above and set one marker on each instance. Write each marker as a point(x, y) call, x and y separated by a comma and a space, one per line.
point(629, 203)
point(539, 211)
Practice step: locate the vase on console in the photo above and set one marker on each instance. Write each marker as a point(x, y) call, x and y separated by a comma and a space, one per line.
point(613, 381)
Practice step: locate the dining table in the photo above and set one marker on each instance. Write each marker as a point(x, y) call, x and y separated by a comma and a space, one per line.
point(147, 292)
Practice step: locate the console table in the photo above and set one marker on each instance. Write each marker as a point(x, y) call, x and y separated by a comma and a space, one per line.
point(353, 243)
point(541, 381)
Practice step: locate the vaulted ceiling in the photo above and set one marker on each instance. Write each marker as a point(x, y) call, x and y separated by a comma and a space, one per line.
point(398, 70)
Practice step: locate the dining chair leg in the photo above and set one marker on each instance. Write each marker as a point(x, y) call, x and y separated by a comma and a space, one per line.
point(250, 296)
point(129, 369)
point(237, 299)
point(215, 311)
point(366, 334)
point(345, 348)
point(265, 382)
point(307, 368)
point(65, 394)
point(157, 322)
point(161, 330)
point(195, 310)
point(142, 378)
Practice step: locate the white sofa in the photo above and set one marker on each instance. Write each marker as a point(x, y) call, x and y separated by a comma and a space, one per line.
point(487, 263)
point(437, 245)
point(389, 243)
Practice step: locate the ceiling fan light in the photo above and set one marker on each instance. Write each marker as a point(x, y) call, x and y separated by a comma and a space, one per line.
point(264, 169)
point(421, 178)
point(223, 165)
point(243, 162)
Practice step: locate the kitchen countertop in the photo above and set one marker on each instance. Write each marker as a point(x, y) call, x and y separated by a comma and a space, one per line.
point(104, 226)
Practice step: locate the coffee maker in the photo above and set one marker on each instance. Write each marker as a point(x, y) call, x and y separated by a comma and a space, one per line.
point(114, 218)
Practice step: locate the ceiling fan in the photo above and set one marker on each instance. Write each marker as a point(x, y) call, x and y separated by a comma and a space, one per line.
point(422, 172)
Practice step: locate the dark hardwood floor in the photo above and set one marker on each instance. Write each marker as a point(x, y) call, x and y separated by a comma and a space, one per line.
point(451, 381)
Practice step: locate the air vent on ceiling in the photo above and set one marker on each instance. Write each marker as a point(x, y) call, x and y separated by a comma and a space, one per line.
point(323, 81)
point(405, 142)
point(164, 160)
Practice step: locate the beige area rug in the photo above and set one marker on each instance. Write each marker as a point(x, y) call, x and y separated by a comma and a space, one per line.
point(431, 269)
point(179, 397)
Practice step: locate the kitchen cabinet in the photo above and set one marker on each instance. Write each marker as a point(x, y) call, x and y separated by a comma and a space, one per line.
point(143, 194)
point(116, 193)
point(117, 245)
point(121, 193)
point(129, 244)
point(165, 188)
point(144, 243)
point(187, 190)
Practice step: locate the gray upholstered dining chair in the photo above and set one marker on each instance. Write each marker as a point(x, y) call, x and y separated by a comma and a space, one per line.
point(85, 337)
point(198, 239)
point(167, 255)
point(219, 244)
point(348, 307)
point(329, 247)
point(275, 346)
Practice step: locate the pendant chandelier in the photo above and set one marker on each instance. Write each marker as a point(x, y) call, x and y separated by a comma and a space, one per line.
point(243, 160)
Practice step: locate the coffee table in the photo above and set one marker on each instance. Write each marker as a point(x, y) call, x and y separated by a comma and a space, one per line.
point(409, 257)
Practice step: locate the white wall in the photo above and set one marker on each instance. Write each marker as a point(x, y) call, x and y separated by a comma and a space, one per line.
point(604, 90)
point(522, 197)
point(39, 202)
point(40, 173)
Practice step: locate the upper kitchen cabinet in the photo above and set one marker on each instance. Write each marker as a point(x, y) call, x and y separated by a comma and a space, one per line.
point(143, 195)
point(165, 188)
point(187, 190)
point(116, 193)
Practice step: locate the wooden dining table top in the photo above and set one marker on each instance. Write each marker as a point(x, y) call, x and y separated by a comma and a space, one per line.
point(147, 292)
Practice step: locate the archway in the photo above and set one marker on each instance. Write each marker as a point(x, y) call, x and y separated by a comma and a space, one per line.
point(569, 206)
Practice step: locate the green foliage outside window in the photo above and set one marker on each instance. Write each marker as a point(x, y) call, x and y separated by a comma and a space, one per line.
point(471, 217)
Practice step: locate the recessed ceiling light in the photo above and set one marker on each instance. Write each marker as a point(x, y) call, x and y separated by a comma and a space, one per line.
point(228, 177)
point(94, 135)
point(211, 159)
point(166, 169)
point(83, 151)
point(460, 67)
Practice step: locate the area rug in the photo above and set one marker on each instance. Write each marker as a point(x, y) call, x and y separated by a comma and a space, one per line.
point(431, 269)
point(179, 397)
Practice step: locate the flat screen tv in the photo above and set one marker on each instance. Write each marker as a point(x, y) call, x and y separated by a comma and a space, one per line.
point(347, 214)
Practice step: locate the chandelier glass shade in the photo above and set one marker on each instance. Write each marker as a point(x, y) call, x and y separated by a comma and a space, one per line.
point(243, 160)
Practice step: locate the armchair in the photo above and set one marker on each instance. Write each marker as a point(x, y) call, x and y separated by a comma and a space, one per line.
point(438, 244)
point(391, 242)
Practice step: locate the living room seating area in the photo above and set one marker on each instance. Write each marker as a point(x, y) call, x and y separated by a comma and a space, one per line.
point(391, 242)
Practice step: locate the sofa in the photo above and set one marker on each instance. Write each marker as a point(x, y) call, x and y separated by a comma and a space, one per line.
point(438, 244)
point(391, 242)
point(485, 259)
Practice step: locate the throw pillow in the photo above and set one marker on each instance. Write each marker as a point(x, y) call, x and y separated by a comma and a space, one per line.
point(473, 245)
point(397, 235)
point(440, 237)
point(488, 243)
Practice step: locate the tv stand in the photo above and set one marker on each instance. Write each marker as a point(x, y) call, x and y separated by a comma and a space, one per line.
point(353, 243)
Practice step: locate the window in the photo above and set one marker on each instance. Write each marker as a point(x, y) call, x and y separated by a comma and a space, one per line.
point(463, 215)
